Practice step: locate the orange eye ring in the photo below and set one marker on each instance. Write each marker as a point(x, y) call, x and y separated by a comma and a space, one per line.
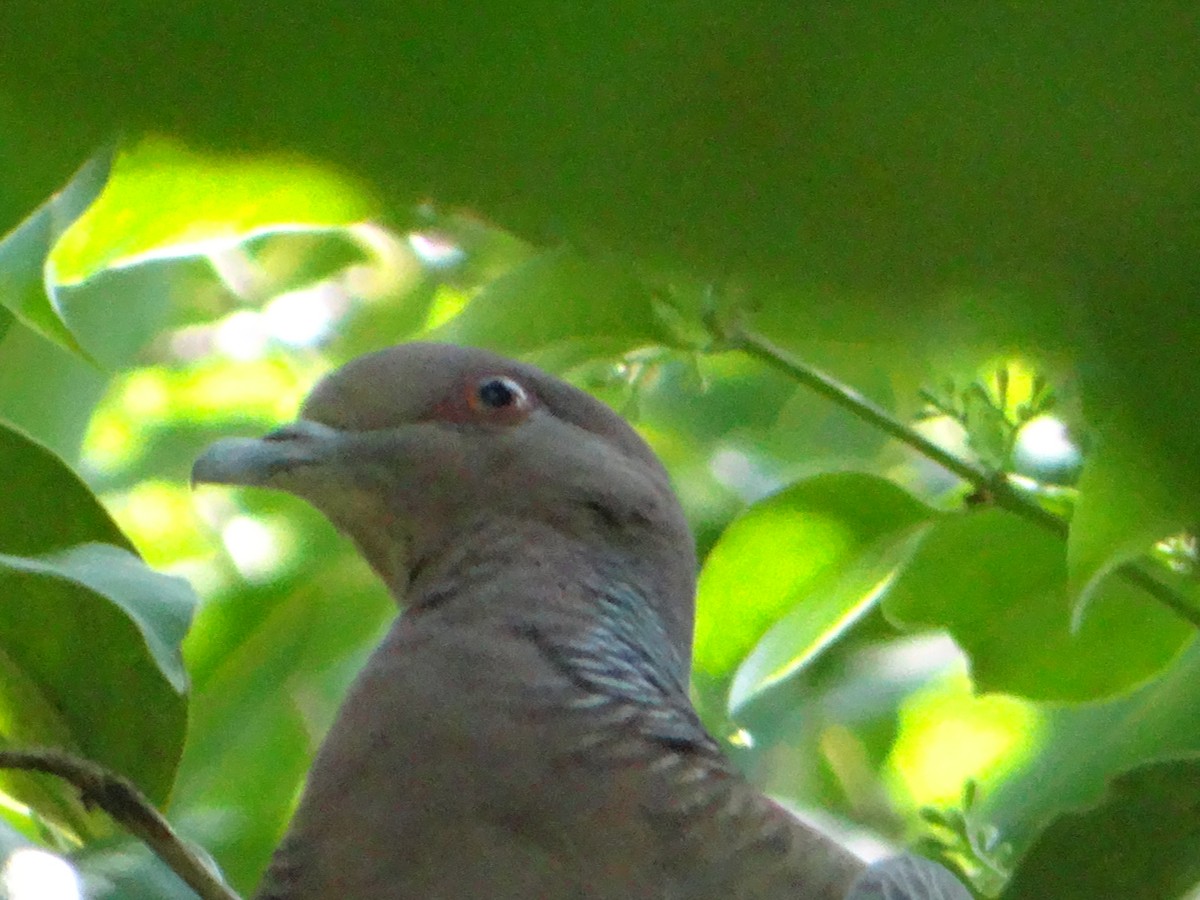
point(498, 395)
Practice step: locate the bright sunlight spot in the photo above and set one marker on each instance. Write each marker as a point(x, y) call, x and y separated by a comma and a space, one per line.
point(741, 738)
point(1045, 443)
point(33, 874)
point(739, 472)
point(948, 735)
point(243, 336)
point(110, 442)
point(305, 317)
point(152, 507)
point(146, 394)
point(159, 517)
point(447, 303)
point(269, 389)
point(434, 251)
point(254, 547)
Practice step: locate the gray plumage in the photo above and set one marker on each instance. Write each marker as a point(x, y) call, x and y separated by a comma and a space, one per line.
point(524, 731)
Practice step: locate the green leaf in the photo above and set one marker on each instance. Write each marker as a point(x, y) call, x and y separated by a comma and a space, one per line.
point(45, 506)
point(1124, 508)
point(116, 312)
point(794, 571)
point(559, 297)
point(122, 868)
point(1081, 747)
point(1141, 843)
point(822, 614)
point(46, 391)
point(90, 642)
point(301, 256)
point(26, 286)
point(999, 584)
point(164, 198)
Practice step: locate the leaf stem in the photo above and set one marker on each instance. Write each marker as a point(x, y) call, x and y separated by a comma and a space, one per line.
point(127, 806)
point(999, 489)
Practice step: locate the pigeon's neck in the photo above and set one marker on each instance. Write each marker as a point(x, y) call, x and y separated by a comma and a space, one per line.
point(589, 605)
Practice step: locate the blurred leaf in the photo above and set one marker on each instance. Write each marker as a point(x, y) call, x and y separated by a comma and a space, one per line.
point(799, 567)
point(1122, 511)
point(116, 312)
point(166, 198)
point(1137, 364)
point(45, 506)
point(298, 257)
point(999, 585)
point(26, 284)
point(47, 391)
point(1141, 843)
point(122, 868)
point(91, 641)
point(813, 430)
point(1082, 747)
point(950, 736)
point(559, 298)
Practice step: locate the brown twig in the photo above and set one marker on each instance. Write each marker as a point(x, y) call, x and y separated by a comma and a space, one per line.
point(127, 806)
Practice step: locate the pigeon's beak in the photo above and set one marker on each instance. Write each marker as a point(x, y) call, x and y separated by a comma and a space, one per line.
point(259, 462)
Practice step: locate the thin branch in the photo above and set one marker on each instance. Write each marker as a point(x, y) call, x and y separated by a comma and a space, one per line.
point(999, 489)
point(127, 806)
point(1135, 573)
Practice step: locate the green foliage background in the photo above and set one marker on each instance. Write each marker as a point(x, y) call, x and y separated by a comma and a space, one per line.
point(973, 215)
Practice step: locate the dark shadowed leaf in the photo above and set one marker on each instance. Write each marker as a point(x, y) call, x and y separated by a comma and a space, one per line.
point(91, 648)
point(45, 506)
point(1141, 843)
point(26, 286)
point(1084, 746)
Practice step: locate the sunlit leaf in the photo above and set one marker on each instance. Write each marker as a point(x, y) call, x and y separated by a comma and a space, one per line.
point(821, 617)
point(164, 198)
point(807, 562)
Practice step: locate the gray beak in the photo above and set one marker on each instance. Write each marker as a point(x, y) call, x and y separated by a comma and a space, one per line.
point(257, 462)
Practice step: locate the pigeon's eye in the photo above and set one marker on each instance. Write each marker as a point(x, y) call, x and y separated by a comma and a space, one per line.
point(499, 393)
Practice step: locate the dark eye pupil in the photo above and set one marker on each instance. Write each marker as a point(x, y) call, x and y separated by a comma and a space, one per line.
point(496, 393)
